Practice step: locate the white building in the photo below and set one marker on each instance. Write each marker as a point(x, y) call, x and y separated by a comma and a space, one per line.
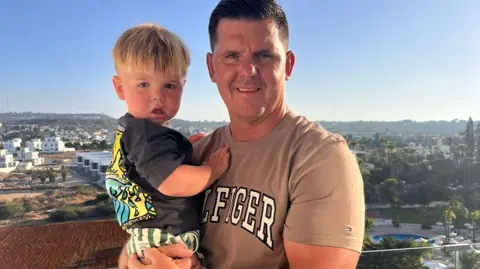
point(25, 155)
point(94, 164)
point(34, 144)
point(419, 149)
point(12, 145)
point(441, 148)
point(6, 159)
point(53, 144)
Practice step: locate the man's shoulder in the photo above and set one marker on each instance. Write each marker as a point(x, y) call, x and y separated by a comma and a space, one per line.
point(308, 134)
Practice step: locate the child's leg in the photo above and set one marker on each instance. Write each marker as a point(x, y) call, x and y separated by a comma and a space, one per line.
point(142, 238)
point(192, 241)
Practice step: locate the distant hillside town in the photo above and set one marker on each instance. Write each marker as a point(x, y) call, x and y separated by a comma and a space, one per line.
point(25, 137)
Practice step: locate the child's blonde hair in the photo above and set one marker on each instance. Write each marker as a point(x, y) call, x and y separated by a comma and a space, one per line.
point(148, 46)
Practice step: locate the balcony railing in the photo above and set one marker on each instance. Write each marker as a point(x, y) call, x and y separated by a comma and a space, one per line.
point(431, 257)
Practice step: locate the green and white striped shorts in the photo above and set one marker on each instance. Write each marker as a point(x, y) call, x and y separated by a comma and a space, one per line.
point(142, 238)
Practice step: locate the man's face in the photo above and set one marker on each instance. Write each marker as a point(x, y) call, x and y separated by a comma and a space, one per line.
point(150, 95)
point(250, 65)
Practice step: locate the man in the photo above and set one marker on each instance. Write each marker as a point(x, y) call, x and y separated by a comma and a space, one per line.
point(293, 195)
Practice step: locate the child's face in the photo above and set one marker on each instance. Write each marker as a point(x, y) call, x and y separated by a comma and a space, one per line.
point(150, 95)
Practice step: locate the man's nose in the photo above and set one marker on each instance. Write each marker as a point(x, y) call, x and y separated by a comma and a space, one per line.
point(248, 68)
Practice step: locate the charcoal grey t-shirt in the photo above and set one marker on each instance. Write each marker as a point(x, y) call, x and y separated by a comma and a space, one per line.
point(144, 155)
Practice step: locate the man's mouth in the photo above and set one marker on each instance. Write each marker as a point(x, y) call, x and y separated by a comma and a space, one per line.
point(247, 90)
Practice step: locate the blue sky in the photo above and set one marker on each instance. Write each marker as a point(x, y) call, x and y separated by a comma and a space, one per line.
point(356, 60)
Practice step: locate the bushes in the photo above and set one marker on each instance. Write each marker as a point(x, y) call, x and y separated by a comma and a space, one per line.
point(369, 223)
point(12, 210)
point(104, 210)
point(84, 189)
point(426, 226)
point(64, 214)
point(103, 197)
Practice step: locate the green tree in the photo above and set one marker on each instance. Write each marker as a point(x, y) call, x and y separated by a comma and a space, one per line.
point(64, 173)
point(470, 138)
point(103, 144)
point(42, 176)
point(449, 213)
point(51, 175)
point(477, 133)
point(474, 217)
point(469, 260)
point(412, 259)
point(390, 194)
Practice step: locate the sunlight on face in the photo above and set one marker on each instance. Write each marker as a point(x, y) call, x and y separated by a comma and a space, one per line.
point(150, 95)
point(250, 65)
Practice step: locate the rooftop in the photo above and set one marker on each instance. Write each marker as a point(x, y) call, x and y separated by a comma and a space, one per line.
point(86, 245)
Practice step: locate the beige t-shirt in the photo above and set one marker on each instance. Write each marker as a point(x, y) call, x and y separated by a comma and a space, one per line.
point(298, 182)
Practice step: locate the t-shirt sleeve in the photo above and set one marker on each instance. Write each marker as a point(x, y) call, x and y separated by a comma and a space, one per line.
point(155, 152)
point(327, 197)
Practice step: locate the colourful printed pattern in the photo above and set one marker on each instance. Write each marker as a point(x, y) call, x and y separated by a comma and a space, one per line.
point(131, 205)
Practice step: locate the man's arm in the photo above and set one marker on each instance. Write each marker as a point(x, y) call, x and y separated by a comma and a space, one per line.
point(183, 256)
point(302, 256)
point(325, 224)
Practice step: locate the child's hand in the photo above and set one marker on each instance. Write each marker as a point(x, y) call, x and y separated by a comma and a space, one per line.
point(218, 161)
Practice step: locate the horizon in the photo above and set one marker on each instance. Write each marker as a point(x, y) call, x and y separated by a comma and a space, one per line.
point(176, 118)
point(369, 61)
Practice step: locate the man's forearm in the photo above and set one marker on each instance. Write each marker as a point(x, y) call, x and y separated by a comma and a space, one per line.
point(187, 180)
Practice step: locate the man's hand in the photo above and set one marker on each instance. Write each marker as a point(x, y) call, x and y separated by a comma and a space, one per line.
point(196, 137)
point(184, 258)
point(123, 258)
point(154, 260)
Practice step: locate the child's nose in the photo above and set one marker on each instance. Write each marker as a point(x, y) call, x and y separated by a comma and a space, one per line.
point(158, 97)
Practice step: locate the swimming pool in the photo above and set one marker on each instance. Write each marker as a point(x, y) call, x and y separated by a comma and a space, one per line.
point(378, 237)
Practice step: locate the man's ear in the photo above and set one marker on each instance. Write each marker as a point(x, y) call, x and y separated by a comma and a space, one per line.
point(211, 70)
point(117, 83)
point(289, 63)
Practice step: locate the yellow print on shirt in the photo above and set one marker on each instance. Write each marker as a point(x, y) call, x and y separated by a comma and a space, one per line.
point(130, 203)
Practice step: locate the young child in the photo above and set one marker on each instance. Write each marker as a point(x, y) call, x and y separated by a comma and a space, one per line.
point(151, 180)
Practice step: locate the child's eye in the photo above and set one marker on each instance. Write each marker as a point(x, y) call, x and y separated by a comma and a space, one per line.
point(169, 86)
point(142, 85)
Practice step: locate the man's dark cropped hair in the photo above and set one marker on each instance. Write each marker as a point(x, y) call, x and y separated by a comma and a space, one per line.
point(250, 10)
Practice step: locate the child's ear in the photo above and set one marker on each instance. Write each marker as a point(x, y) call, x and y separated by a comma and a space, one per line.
point(117, 83)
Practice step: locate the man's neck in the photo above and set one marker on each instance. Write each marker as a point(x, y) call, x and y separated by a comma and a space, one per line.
point(244, 131)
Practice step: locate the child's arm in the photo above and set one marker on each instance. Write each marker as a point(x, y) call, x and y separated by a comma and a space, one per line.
point(188, 180)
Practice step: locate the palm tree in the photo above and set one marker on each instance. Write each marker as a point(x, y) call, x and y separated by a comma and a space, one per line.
point(390, 191)
point(470, 260)
point(51, 175)
point(449, 215)
point(42, 176)
point(64, 173)
point(474, 216)
point(353, 144)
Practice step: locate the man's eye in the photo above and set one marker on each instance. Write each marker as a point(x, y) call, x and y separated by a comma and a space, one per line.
point(142, 85)
point(264, 55)
point(232, 55)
